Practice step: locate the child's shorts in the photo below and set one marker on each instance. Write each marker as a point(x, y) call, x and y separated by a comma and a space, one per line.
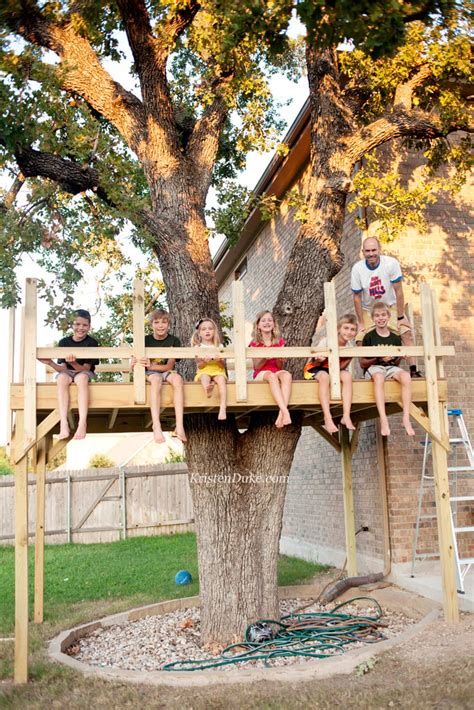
point(164, 375)
point(311, 374)
point(389, 371)
point(73, 374)
point(262, 373)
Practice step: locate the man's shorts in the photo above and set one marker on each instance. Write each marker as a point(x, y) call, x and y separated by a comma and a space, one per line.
point(393, 323)
point(164, 375)
point(261, 375)
point(388, 372)
point(74, 373)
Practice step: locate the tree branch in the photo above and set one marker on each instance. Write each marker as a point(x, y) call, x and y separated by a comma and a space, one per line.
point(72, 177)
point(402, 120)
point(399, 123)
point(203, 144)
point(82, 72)
point(404, 92)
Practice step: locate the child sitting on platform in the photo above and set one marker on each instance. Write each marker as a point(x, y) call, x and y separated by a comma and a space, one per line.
point(159, 370)
point(380, 369)
point(210, 370)
point(80, 371)
point(266, 334)
point(317, 368)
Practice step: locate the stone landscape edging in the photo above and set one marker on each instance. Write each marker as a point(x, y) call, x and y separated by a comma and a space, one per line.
point(319, 668)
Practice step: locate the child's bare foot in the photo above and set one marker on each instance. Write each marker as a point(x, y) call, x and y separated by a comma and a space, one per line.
point(179, 433)
point(408, 427)
point(81, 432)
point(279, 421)
point(330, 426)
point(347, 421)
point(209, 389)
point(286, 418)
point(384, 427)
point(222, 414)
point(158, 435)
point(64, 432)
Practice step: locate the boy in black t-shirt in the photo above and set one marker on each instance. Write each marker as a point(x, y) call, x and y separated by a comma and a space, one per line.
point(380, 369)
point(80, 371)
point(159, 371)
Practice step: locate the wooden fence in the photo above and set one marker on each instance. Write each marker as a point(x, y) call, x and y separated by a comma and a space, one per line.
point(102, 505)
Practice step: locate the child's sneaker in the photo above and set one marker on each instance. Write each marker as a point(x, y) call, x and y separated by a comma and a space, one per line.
point(416, 375)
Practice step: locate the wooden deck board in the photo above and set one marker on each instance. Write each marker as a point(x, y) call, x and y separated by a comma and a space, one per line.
point(105, 396)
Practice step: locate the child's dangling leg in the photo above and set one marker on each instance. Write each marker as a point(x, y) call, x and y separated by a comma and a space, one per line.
point(82, 383)
point(405, 381)
point(346, 380)
point(379, 383)
point(221, 382)
point(323, 380)
point(207, 384)
point(63, 383)
point(155, 400)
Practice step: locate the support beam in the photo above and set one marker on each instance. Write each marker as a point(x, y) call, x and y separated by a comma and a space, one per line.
point(11, 373)
point(311, 420)
point(43, 445)
point(30, 365)
point(43, 429)
point(440, 463)
point(355, 438)
point(139, 341)
point(21, 562)
point(239, 341)
point(57, 448)
point(333, 340)
point(349, 517)
point(419, 416)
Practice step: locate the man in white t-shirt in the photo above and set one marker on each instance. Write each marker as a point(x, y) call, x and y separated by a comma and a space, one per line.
point(377, 277)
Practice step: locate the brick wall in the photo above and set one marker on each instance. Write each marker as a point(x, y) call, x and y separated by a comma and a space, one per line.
point(313, 518)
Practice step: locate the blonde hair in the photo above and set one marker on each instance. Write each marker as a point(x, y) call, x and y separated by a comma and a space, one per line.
point(159, 313)
point(196, 339)
point(257, 335)
point(347, 318)
point(380, 306)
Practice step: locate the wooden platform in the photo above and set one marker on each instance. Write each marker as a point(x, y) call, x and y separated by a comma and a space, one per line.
point(112, 409)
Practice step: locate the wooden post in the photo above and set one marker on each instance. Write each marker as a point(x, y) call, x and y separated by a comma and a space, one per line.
point(332, 338)
point(21, 560)
point(349, 518)
point(39, 528)
point(30, 364)
point(11, 372)
point(440, 463)
point(139, 381)
point(239, 341)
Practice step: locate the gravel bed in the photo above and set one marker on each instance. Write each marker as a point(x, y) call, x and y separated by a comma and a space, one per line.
point(149, 643)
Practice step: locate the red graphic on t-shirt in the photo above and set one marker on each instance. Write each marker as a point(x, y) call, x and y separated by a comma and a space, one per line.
point(376, 289)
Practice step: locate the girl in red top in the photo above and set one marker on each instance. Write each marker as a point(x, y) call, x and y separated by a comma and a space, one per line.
point(266, 334)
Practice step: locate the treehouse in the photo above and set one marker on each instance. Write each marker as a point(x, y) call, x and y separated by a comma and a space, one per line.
point(124, 406)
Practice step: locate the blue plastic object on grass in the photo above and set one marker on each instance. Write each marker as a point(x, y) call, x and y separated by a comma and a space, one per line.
point(183, 577)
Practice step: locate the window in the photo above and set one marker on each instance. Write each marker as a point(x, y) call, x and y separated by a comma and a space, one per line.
point(241, 270)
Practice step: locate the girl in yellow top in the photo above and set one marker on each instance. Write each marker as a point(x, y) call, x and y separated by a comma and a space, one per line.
point(210, 370)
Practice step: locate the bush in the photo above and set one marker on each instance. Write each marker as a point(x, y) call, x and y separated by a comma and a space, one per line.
point(174, 457)
point(5, 468)
point(102, 461)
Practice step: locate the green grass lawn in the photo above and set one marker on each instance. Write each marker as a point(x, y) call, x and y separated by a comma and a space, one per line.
point(141, 569)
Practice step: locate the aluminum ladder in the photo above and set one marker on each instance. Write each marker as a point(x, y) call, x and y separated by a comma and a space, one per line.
point(456, 420)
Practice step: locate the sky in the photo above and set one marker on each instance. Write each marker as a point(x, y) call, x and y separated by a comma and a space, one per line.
point(283, 90)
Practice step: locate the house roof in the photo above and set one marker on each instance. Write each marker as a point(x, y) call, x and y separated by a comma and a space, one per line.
point(281, 173)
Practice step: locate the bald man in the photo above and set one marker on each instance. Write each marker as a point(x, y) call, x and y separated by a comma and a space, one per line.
point(377, 277)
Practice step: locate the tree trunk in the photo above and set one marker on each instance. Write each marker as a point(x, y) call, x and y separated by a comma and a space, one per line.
point(238, 483)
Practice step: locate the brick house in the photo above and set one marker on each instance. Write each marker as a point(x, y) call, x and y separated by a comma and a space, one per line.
point(313, 525)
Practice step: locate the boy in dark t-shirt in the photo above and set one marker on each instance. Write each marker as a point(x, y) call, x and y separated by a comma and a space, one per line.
point(78, 370)
point(380, 369)
point(159, 371)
